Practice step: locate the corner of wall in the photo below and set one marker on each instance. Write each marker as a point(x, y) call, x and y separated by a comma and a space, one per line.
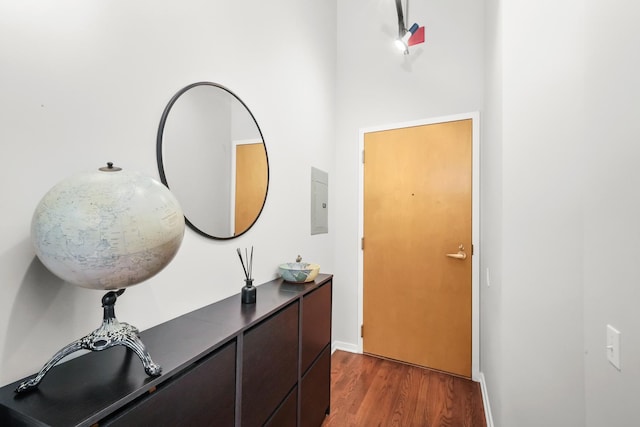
point(485, 401)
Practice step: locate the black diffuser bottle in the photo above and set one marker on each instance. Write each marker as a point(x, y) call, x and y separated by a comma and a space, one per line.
point(248, 291)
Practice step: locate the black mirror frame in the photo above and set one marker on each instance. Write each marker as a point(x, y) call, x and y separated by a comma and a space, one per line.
point(159, 158)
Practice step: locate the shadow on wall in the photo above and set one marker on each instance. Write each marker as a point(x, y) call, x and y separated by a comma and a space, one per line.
point(408, 60)
point(38, 290)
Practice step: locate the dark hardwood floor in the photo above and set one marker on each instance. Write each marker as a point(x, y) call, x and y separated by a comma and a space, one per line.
point(369, 391)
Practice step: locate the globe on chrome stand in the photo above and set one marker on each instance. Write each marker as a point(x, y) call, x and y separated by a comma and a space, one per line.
point(106, 230)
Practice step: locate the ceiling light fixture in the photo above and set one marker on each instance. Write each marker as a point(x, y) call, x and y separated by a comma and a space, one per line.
point(403, 42)
point(410, 37)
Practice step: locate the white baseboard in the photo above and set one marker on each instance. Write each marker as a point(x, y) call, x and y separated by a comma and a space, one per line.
point(485, 401)
point(345, 346)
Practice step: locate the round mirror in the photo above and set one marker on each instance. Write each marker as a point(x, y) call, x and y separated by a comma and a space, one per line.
point(212, 156)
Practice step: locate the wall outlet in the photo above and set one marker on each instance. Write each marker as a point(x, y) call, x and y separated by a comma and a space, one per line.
point(613, 346)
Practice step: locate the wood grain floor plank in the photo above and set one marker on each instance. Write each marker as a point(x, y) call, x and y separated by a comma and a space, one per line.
point(368, 391)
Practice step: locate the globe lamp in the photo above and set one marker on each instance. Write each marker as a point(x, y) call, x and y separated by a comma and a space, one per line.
point(106, 230)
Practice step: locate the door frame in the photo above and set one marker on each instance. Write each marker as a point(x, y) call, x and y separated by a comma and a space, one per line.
point(475, 226)
point(232, 183)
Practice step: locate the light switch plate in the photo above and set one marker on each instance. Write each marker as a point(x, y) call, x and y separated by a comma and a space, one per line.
point(319, 201)
point(613, 346)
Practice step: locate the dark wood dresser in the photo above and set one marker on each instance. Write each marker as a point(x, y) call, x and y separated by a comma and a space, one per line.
point(226, 364)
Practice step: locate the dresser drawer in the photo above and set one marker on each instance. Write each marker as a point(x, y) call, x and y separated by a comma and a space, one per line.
point(204, 395)
point(316, 391)
point(316, 324)
point(269, 365)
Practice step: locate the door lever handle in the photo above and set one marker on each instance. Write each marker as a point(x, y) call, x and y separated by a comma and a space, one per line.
point(460, 255)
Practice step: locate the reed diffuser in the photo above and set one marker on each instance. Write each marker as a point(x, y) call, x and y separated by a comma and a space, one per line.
point(248, 291)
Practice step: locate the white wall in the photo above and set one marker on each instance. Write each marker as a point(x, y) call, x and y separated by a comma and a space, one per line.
point(532, 342)
point(542, 172)
point(84, 83)
point(612, 210)
point(561, 116)
point(491, 317)
point(378, 85)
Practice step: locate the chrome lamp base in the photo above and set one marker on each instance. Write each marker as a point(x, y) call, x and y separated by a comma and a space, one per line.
point(111, 333)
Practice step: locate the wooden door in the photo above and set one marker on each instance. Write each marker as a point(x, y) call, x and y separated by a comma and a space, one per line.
point(251, 185)
point(417, 209)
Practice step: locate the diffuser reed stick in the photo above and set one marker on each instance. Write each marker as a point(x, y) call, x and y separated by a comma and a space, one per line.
point(251, 264)
point(247, 262)
point(248, 291)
